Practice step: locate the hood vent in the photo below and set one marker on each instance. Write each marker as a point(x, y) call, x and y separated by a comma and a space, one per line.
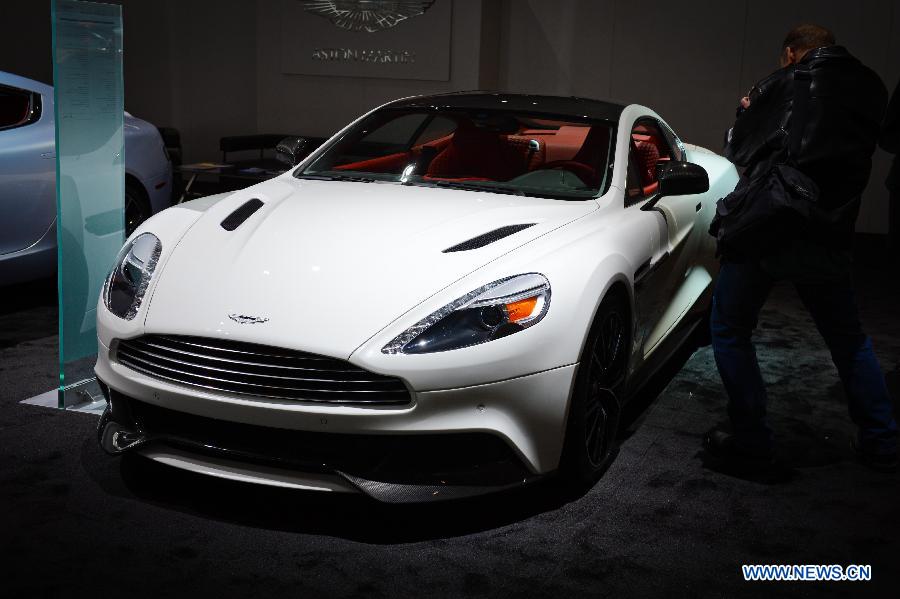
point(245, 211)
point(487, 238)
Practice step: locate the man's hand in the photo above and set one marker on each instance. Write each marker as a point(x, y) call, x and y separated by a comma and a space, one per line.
point(743, 105)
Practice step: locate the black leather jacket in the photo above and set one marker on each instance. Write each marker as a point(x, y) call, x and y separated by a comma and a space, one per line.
point(846, 104)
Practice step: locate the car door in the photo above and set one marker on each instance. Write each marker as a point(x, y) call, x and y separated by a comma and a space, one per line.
point(27, 168)
point(658, 283)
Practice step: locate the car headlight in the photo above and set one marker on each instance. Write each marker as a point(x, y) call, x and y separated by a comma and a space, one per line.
point(127, 283)
point(495, 310)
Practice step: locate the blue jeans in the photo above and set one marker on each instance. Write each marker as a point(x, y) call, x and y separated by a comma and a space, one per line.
point(739, 295)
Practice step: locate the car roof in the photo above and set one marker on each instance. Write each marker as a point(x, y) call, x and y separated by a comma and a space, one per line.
point(482, 100)
point(25, 83)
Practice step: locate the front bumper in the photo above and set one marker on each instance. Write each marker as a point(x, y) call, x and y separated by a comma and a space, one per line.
point(446, 443)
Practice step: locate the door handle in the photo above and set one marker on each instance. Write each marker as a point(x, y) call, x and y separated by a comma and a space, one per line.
point(698, 207)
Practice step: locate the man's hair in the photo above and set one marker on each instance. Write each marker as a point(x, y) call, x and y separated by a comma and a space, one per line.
point(807, 37)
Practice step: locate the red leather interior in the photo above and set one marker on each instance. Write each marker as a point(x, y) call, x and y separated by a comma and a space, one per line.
point(531, 158)
point(588, 158)
point(649, 152)
point(562, 143)
point(477, 152)
point(648, 156)
point(383, 164)
point(394, 163)
point(474, 153)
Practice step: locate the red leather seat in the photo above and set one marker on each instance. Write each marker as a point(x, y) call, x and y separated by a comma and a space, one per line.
point(476, 152)
point(648, 156)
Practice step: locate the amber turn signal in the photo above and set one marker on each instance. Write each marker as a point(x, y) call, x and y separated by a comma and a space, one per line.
point(521, 309)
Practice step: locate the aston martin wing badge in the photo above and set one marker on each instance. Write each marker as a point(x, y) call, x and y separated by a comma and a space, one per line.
point(367, 15)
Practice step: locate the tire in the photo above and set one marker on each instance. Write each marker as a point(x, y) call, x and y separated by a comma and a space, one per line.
point(593, 423)
point(137, 206)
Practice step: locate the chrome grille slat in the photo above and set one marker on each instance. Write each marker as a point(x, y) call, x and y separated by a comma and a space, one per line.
point(363, 401)
point(169, 369)
point(258, 371)
point(156, 359)
point(226, 349)
point(167, 348)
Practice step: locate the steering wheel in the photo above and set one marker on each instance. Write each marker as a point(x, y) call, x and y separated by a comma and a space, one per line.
point(579, 169)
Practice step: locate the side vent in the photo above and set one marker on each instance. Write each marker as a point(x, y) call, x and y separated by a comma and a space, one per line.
point(487, 238)
point(245, 211)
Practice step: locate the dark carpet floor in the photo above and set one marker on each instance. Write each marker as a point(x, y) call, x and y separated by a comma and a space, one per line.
point(661, 522)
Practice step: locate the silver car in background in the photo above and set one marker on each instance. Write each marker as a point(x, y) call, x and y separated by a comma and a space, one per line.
point(28, 178)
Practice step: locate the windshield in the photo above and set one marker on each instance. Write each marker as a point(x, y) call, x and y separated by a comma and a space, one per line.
point(504, 152)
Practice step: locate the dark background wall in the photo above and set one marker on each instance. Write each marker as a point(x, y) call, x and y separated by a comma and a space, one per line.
point(690, 61)
point(212, 67)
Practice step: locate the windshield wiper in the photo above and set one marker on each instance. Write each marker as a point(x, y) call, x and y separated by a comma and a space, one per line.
point(479, 187)
point(353, 178)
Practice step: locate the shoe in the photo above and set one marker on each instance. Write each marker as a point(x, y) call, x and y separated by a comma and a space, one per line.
point(721, 445)
point(880, 462)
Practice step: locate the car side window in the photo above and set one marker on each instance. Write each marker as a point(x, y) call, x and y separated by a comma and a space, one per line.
point(18, 107)
point(649, 148)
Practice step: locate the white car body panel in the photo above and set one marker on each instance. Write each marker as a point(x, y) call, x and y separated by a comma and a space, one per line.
point(341, 268)
point(334, 287)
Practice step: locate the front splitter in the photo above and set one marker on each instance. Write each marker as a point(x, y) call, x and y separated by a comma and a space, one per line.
point(117, 439)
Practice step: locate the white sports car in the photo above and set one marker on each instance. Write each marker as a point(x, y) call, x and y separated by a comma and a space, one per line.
point(455, 294)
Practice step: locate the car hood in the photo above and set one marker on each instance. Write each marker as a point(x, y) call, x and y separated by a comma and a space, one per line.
point(324, 265)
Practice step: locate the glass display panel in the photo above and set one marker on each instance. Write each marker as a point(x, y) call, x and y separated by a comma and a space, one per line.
point(90, 176)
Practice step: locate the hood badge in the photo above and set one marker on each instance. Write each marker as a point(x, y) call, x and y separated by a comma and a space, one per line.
point(244, 319)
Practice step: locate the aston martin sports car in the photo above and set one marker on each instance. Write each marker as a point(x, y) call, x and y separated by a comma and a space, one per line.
point(455, 294)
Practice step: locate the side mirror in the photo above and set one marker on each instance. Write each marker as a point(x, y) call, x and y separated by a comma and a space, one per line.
point(682, 178)
point(679, 179)
point(292, 150)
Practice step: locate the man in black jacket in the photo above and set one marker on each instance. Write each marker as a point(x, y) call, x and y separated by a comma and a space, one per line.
point(840, 124)
point(890, 142)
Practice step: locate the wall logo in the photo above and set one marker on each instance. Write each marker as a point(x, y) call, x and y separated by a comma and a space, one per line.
point(367, 15)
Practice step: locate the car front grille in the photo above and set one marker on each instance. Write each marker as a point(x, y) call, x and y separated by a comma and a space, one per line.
point(259, 371)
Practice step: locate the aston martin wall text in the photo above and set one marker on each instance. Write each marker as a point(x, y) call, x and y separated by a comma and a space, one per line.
point(367, 38)
point(372, 56)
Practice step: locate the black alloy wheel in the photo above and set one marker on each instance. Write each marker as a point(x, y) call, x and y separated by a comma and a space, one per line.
point(593, 423)
point(606, 372)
